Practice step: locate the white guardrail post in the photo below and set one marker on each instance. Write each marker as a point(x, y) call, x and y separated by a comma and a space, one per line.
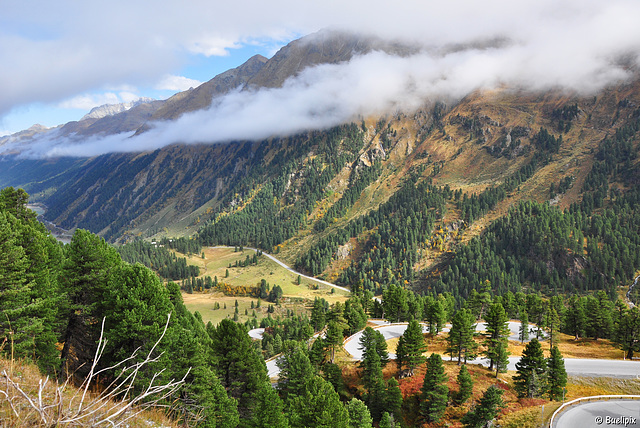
point(592, 398)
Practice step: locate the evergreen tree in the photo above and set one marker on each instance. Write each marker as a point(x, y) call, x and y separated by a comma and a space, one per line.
point(574, 317)
point(373, 338)
point(393, 398)
point(500, 356)
point(523, 332)
point(317, 352)
point(556, 375)
point(334, 337)
point(319, 407)
point(486, 410)
point(373, 383)
point(435, 391)
point(465, 385)
point(18, 325)
point(497, 334)
point(295, 371)
point(270, 409)
point(318, 314)
point(359, 416)
point(627, 334)
point(460, 340)
point(553, 325)
point(413, 346)
point(400, 354)
point(89, 264)
point(241, 369)
point(387, 421)
point(531, 369)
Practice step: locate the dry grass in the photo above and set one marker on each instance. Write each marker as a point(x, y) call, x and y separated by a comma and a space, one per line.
point(29, 399)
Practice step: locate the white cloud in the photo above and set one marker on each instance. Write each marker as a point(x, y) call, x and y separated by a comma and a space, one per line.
point(176, 83)
point(213, 46)
point(89, 101)
point(571, 44)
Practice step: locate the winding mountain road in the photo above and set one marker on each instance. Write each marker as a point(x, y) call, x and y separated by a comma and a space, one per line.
point(574, 366)
point(290, 269)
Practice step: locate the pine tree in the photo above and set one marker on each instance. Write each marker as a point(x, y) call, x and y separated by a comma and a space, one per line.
point(523, 332)
point(556, 375)
point(627, 333)
point(500, 356)
point(373, 338)
point(497, 333)
point(435, 392)
point(359, 416)
point(334, 337)
point(270, 409)
point(460, 340)
point(400, 354)
point(465, 385)
point(574, 317)
point(88, 266)
point(393, 398)
point(552, 325)
point(240, 367)
point(531, 370)
point(18, 324)
point(486, 410)
point(319, 407)
point(373, 382)
point(387, 421)
point(295, 371)
point(414, 345)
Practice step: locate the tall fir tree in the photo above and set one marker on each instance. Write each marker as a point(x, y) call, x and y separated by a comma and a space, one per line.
point(465, 385)
point(373, 338)
point(574, 317)
point(485, 410)
point(89, 264)
point(414, 346)
point(319, 407)
point(460, 342)
point(556, 375)
point(434, 392)
point(241, 369)
point(359, 416)
point(531, 369)
point(497, 334)
point(523, 331)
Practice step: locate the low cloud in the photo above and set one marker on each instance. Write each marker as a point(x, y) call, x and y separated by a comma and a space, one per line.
point(466, 45)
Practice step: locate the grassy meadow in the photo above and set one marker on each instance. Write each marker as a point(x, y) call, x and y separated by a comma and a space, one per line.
point(296, 298)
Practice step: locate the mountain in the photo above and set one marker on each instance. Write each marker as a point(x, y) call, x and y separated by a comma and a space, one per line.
point(330, 201)
point(113, 109)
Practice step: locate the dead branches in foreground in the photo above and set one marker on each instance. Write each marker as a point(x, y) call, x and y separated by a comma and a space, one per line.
point(61, 405)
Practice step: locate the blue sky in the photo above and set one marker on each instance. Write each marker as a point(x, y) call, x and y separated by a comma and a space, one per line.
point(196, 68)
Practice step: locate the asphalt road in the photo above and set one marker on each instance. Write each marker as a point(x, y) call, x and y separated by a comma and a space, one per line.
point(391, 331)
point(574, 366)
point(609, 413)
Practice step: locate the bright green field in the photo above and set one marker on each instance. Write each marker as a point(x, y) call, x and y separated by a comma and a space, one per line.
point(216, 262)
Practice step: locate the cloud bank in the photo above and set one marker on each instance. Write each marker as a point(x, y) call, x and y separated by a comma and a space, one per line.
point(533, 45)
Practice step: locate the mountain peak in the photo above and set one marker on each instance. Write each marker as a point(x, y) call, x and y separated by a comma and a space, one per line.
point(113, 109)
